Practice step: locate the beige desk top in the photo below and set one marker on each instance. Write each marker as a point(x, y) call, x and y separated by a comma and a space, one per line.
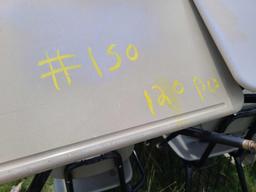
point(82, 77)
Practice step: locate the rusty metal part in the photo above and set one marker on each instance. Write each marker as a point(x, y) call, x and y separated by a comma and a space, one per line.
point(249, 145)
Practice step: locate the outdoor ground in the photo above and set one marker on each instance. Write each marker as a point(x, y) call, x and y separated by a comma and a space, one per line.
point(165, 173)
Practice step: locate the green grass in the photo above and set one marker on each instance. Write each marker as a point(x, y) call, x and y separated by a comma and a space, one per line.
point(165, 173)
point(25, 184)
point(165, 169)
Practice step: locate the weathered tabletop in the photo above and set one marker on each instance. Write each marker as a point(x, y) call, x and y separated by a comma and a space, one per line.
point(83, 77)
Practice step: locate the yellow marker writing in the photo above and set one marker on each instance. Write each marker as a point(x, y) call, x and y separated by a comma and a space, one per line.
point(213, 85)
point(149, 103)
point(200, 87)
point(178, 87)
point(132, 57)
point(62, 69)
point(163, 98)
point(117, 56)
point(94, 62)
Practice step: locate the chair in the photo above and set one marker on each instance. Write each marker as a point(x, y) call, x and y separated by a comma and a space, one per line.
point(100, 173)
point(194, 152)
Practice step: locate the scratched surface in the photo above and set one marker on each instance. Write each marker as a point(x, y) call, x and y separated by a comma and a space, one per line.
point(76, 70)
point(232, 25)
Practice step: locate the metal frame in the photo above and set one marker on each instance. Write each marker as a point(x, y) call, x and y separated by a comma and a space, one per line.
point(39, 182)
point(117, 158)
point(40, 179)
point(142, 179)
point(240, 172)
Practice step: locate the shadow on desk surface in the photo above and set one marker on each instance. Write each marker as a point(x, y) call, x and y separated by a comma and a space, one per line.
point(164, 172)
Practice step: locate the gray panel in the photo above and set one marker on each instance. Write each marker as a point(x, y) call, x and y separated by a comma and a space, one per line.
point(233, 28)
point(45, 125)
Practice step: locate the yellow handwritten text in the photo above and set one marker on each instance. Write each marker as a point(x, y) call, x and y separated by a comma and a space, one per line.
point(163, 99)
point(94, 62)
point(212, 85)
point(149, 103)
point(62, 69)
point(135, 50)
point(200, 87)
point(132, 54)
point(178, 87)
point(117, 56)
point(167, 95)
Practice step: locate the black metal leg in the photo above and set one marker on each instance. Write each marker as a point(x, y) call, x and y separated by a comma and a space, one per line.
point(39, 182)
point(206, 154)
point(120, 168)
point(69, 178)
point(250, 98)
point(240, 173)
point(141, 182)
point(188, 175)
